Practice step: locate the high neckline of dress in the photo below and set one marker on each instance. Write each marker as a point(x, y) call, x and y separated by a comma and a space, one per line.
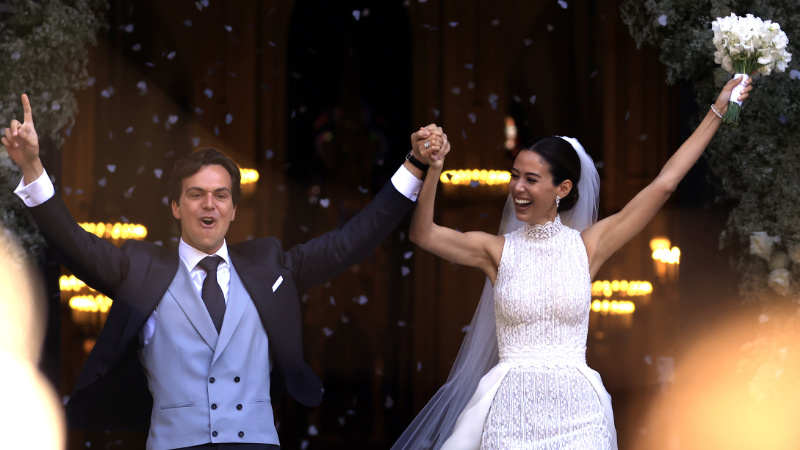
point(544, 231)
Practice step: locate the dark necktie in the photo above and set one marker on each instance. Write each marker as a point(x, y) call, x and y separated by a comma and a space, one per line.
point(212, 293)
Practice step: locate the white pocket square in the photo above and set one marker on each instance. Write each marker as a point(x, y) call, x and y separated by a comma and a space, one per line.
point(277, 283)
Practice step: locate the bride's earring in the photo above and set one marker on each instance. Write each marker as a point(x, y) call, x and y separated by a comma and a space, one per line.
point(558, 200)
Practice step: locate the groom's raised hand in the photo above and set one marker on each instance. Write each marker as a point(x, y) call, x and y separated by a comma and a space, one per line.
point(22, 144)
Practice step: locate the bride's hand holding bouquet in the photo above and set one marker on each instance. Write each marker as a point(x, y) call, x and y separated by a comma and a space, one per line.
point(746, 45)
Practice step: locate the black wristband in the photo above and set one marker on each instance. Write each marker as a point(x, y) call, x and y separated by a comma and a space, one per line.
point(417, 163)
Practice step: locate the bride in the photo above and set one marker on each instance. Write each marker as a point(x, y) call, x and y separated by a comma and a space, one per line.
point(520, 379)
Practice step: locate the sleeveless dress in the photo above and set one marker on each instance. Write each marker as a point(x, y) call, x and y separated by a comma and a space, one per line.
point(541, 394)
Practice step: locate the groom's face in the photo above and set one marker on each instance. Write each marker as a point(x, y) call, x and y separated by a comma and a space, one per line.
point(206, 208)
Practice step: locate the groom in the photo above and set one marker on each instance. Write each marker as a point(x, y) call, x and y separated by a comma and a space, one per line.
point(200, 339)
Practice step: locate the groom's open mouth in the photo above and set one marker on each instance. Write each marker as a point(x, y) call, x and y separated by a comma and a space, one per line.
point(208, 221)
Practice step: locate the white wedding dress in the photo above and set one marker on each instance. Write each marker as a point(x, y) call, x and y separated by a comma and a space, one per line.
point(541, 394)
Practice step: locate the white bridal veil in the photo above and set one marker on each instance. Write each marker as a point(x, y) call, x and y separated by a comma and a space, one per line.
point(478, 353)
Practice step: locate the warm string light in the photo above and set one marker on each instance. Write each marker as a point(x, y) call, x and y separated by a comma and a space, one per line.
point(90, 303)
point(668, 256)
point(116, 230)
point(613, 307)
point(481, 176)
point(249, 176)
point(625, 288)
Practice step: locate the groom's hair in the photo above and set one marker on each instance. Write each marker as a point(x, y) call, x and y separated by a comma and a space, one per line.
point(193, 162)
point(564, 163)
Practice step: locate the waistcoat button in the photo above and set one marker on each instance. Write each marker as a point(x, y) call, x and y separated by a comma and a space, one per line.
point(214, 433)
point(213, 406)
point(239, 406)
point(212, 379)
point(241, 434)
point(236, 379)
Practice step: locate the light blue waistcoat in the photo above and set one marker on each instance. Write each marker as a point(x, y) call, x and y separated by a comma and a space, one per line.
point(208, 387)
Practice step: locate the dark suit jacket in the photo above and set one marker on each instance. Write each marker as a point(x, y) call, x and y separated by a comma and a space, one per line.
point(111, 392)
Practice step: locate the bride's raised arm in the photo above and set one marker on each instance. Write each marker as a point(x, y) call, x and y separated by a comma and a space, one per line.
point(474, 249)
point(608, 235)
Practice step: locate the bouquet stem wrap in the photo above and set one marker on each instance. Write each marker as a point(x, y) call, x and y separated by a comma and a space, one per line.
point(735, 106)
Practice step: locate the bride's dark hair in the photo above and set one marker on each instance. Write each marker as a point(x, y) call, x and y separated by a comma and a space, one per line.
point(564, 165)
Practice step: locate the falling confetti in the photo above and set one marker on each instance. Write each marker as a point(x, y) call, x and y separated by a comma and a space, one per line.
point(456, 90)
point(165, 200)
point(312, 430)
point(142, 86)
point(102, 182)
point(327, 331)
point(562, 3)
point(627, 115)
point(362, 300)
point(111, 168)
point(128, 28)
point(453, 24)
point(129, 192)
point(333, 301)
point(465, 328)
point(401, 323)
point(435, 112)
point(388, 403)
point(91, 80)
point(662, 20)
point(405, 270)
point(209, 93)
point(794, 74)
point(136, 47)
point(357, 14)
point(419, 366)
point(324, 202)
point(228, 119)
point(195, 141)
point(108, 92)
point(15, 56)
point(532, 99)
point(472, 117)
point(228, 28)
point(187, 23)
point(158, 173)
point(171, 55)
point(408, 254)
point(172, 119)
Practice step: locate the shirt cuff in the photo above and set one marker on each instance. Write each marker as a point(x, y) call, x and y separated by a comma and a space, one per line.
point(406, 183)
point(37, 192)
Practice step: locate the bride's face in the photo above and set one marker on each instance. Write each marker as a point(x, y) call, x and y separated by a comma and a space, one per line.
point(532, 189)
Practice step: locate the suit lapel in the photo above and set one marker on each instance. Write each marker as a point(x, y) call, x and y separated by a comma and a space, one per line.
point(146, 291)
point(184, 293)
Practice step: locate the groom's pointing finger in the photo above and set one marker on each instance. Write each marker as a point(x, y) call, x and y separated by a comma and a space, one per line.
point(26, 108)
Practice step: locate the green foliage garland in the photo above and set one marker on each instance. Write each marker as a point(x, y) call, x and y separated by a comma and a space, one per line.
point(757, 163)
point(44, 49)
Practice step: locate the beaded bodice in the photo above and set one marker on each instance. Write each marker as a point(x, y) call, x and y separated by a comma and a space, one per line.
point(542, 296)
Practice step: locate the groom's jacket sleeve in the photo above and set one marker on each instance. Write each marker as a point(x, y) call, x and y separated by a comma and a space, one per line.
point(323, 257)
point(96, 261)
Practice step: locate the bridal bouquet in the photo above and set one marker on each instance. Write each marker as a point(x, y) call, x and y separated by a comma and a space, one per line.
point(746, 44)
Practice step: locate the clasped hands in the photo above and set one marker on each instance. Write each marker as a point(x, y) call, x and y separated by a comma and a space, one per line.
point(430, 146)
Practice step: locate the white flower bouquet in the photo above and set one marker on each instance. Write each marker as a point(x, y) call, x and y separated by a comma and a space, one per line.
point(746, 44)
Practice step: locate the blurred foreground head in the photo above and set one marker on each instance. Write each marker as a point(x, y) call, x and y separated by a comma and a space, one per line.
point(31, 416)
point(736, 387)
